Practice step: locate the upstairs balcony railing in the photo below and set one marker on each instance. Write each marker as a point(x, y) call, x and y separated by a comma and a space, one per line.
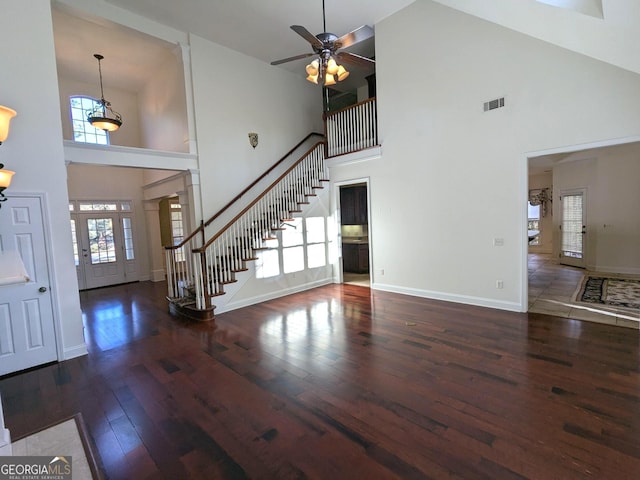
point(352, 129)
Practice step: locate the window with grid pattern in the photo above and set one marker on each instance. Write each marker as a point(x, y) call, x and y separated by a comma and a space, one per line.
point(83, 131)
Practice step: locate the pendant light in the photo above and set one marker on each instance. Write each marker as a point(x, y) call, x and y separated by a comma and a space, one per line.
point(102, 116)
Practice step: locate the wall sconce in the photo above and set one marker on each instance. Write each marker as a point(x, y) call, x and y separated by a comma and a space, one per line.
point(253, 139)
point(6, 114)
point(5, 181)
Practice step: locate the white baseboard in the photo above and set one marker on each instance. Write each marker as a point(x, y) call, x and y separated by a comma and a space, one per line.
point(614, 270)
point(448, 297)
point(273, 295)
point(75, 351)
point(157, 275)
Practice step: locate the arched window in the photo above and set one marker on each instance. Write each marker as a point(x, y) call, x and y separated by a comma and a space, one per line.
point(83, 131)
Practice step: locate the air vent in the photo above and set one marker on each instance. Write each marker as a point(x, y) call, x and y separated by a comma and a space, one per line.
point(493, 104)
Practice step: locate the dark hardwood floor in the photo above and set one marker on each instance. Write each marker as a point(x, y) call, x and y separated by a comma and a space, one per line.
point(342, 382)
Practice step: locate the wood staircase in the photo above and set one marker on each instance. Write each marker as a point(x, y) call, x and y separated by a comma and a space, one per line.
point(199, 269)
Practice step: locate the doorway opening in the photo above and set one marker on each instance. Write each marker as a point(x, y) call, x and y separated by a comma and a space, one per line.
point(582, 234)
point(354, 233)
point(103, 243)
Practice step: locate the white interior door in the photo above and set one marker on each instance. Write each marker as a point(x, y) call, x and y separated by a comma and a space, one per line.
point(573, 228)
point(27, 333)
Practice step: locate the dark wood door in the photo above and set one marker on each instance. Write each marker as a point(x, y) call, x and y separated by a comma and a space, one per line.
point(353, 205)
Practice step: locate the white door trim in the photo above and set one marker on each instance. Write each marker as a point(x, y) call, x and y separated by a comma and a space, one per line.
point(338, 270)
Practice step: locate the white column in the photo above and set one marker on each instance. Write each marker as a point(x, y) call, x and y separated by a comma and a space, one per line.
point(194, 199)
point(188, 88)
point(156, 251)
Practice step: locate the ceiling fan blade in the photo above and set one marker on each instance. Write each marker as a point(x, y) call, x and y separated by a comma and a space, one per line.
point(354, 59)
point(307, 35)
point(291, 59)
point(358, 35)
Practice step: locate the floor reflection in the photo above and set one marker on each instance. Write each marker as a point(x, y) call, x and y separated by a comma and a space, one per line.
point(111, 321)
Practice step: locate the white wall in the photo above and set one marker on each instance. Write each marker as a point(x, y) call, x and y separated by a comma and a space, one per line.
point(34, 149)
point(122, 101)
point(89, 182)
point(605, 38)
point(162, 106)
point(234, 95)
point(453, 178)
point(610, 180)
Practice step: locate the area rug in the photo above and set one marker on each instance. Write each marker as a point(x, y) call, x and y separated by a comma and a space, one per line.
point(611, 291)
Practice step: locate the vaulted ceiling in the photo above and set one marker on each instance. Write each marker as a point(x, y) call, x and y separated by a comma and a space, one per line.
point(261, 29)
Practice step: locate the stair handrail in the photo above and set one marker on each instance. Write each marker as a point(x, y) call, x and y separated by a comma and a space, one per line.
point(243, 192)
point(257, 199)
point(204, 224)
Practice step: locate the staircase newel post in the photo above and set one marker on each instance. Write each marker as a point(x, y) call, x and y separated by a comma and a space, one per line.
point(205, 278)
point(204, 239)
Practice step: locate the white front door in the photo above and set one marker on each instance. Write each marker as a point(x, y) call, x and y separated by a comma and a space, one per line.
point(573, 228)
point(103, 244)
point(27, 333)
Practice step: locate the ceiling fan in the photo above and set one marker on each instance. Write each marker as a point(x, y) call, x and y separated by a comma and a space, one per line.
point(327, 67)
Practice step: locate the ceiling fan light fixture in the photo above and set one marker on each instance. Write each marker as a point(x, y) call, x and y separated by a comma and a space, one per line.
point(329, 80)
point(312, 68)
point(324, 69)
point(342, 73)
point(332, 66)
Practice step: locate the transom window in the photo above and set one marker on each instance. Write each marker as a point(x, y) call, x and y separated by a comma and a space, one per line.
point(98, 206)
point(83, 131)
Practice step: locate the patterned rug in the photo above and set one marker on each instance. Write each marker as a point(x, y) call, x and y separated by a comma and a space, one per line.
point(616, 292)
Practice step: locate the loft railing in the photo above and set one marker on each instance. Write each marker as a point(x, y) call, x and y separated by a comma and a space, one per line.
point(179, 271)
point(352, 129)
